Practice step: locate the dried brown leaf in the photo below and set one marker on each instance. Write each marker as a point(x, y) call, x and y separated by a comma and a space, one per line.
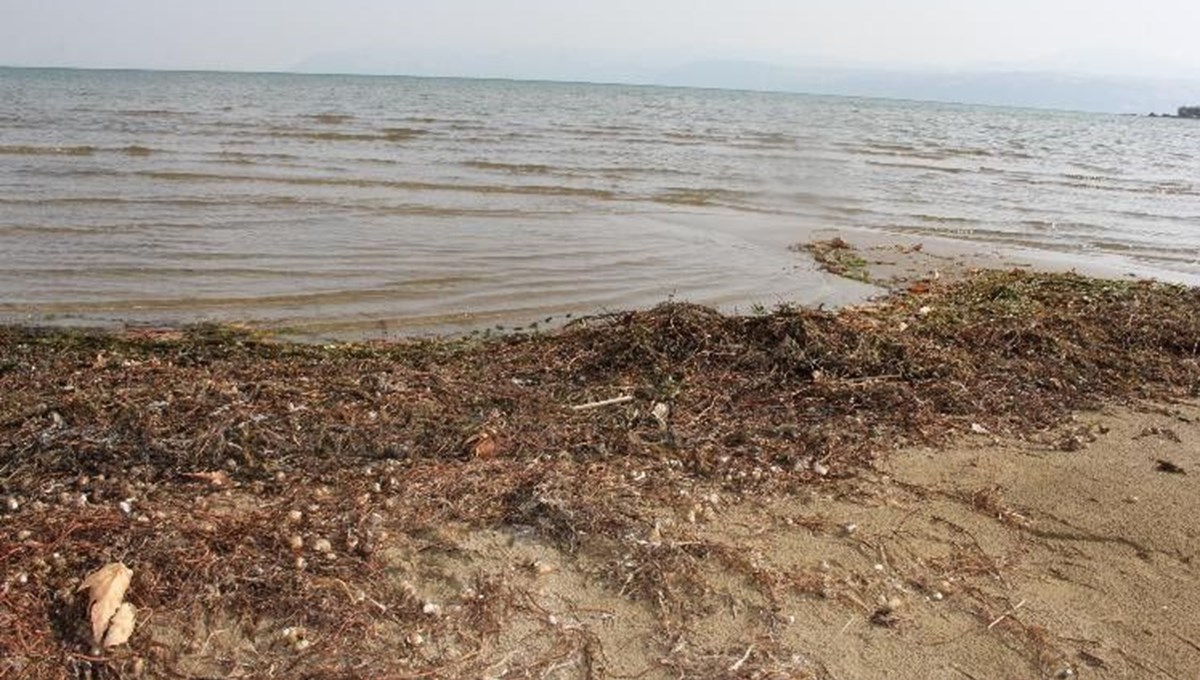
point(106, 589)
point(121, 625)
point(482, 445)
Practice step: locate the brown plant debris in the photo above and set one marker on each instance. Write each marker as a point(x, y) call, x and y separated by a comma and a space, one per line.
point(1169, 467)
point(252, 484)
point(837, 256)
point(106, 595)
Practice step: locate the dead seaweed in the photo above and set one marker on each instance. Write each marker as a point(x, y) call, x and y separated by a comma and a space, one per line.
point(111, 443)
point(836, 256)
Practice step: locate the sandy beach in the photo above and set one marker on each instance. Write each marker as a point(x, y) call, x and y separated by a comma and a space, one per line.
point(985, 475)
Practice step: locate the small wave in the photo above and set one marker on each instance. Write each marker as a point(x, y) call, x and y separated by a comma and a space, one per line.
point(150, 113)
point(514, 168)
point(944, 219)
point(698, 197)
point(765, 140)
point(66, 200)
point(522, 189)
point(1098, 169)
point(1172, 188)
point(1039, 225)
point(35, 230)
point(202, 269)
point(689, 139)
point(919, 166)
point(330, 118)
point(600, 131)
point(417, 210)
point(48, 150)
point(136, 150)
point(1113, 184)
point(396, 134)
point(114, 200)
point(243, 158)
point(351, 296)
point(967, 151)
point(879, 148)
point(1110, 246)
point(889, 153)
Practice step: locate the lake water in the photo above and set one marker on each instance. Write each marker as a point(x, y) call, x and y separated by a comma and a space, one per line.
point(348, 206)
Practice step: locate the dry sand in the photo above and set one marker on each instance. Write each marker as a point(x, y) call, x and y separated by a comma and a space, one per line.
point(993, 558)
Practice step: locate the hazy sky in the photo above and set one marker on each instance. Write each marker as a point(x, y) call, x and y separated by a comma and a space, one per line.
point(277, 34)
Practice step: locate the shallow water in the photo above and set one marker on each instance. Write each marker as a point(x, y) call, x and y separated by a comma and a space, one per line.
point(345, 206)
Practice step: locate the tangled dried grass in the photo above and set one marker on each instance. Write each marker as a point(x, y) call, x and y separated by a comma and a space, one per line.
point(352, 443)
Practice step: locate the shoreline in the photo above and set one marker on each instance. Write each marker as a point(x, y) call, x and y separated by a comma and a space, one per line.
point(876, 490)
point(892, 259)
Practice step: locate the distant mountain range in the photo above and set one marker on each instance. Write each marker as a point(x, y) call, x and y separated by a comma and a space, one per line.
point(1051, 90)
point(1026, 86)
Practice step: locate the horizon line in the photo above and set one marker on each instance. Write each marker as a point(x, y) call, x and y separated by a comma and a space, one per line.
point(511, 79)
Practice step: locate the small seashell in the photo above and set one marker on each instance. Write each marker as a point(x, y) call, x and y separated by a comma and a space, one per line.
point(295, 516)
point(661, 412)
point(820, 469)
point(291, 633)
point(322, 545)
point(431, 609)
point(295, 542)
point(24, 534)
point(301, 644)
point(12, 504)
